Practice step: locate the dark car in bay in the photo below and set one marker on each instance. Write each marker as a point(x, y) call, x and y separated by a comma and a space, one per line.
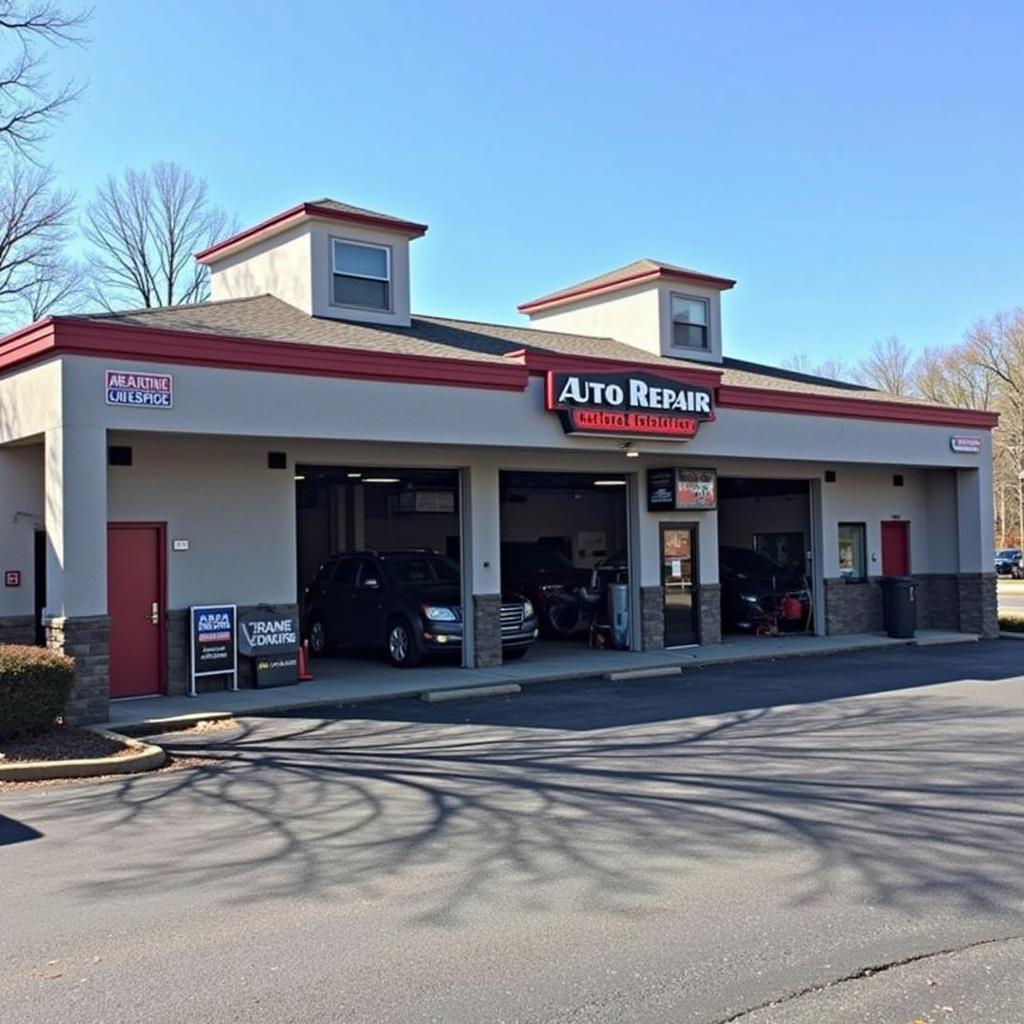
point(753, 590)
point(409, 602)
point(1009, 562)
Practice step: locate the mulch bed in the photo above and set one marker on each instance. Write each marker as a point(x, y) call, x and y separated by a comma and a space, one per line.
point(61, 743)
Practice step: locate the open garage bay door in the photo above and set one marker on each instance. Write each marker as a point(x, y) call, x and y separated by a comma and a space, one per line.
point(564, 545)
point(765, 556)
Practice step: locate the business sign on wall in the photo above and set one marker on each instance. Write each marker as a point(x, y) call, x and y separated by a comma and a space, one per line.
point(628, 405)
point(965, 445)
point(212, 644)
point(146, 390)
point(678, 490)
point(271, 639)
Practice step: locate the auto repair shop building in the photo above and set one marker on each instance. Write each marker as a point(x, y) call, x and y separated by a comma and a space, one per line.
point(158, 459)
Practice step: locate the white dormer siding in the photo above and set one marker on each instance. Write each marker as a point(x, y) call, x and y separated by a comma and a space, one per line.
point(294, 258)
point(641, 313)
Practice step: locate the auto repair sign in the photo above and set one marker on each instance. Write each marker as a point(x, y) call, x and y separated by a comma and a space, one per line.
point(142, 390)
point(628, 405)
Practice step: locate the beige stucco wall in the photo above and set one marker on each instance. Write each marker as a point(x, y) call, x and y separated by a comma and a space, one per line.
point(640, 316)
point(30, 401)
point(280, 266)
point(21, 515)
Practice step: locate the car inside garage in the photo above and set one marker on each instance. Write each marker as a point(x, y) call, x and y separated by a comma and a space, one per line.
point(378, 562)
point(765, 555)
point(564, 546)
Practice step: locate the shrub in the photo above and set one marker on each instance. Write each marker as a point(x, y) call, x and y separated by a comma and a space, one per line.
point(35, 685)
point(1011, 623)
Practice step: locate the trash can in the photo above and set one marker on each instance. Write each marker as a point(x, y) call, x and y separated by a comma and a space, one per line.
point(899, 606)
point(618, 614)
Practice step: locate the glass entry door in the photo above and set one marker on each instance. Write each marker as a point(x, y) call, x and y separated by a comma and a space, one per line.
point(679, 583)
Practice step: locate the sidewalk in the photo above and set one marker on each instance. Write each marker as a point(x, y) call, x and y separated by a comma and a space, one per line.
point(356, 680)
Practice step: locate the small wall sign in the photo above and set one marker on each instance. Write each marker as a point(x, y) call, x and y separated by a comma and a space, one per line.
point(12, 577)
point(149, 390)
point(628, 405)
point(179, 544)
point(965, 445)
point(675, 489)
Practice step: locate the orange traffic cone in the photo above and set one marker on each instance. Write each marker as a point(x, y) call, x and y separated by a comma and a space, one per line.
point(304, 674)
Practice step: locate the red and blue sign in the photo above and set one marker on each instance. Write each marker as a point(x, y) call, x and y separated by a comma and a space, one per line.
point(140, 390)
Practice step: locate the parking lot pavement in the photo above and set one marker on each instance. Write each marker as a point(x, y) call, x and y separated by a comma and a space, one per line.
point(1011, 595)
point(686, 849)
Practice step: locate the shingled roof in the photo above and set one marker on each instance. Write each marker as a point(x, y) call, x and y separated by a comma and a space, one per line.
point(637, 272)
point(268, 318)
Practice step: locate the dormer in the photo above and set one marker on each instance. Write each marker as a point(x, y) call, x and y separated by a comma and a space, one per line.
point(668, 310)
point(328, 259)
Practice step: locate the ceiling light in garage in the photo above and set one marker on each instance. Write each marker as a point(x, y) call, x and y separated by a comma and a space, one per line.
point(609, 483)
point(380, 480)
point(353, 476)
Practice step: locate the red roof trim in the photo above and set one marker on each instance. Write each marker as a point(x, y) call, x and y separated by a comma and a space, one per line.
point(296, 213)
point(765, 400)
point(722, 283)
point(69, 336)
point(159, 345)
point(539, 363)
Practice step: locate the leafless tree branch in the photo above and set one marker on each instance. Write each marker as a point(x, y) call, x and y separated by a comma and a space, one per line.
point(145, 228)
point(29, 105)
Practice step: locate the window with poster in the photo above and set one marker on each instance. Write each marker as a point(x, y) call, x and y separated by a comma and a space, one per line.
point(853, 564)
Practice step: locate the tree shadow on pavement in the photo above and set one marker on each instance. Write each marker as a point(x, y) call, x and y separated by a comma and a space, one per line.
point(907, 796)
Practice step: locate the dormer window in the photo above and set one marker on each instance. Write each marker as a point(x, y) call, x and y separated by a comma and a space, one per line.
point(362, 275)
point(689, 322)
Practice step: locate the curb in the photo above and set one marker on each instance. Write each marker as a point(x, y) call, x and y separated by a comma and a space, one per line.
point(146, 756)
point(468, 692)
point(155, 726)
point(146, 726)
point(1005, 634)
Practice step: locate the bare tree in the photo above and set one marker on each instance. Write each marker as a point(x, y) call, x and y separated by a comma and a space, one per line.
point(58, 287)
point(35, 221)
point(831, 369)
point(145, 228)
point(29, 103)
point(888, 367)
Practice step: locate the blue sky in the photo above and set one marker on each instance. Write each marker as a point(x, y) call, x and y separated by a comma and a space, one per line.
point(857, 169)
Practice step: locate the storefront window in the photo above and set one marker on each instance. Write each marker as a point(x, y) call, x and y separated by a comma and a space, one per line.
point(853, 565)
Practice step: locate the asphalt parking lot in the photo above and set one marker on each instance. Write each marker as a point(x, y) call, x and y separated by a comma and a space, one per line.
point(836, 838)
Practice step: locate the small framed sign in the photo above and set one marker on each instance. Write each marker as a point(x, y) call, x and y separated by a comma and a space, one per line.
point(142, 390)
point(683, 490)
point(965, 445)
point(213, 632)
point(12, 577)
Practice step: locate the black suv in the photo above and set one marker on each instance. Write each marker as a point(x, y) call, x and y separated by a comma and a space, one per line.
point(407, 601)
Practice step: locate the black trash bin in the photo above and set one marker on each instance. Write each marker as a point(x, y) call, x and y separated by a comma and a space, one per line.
point(899, 606)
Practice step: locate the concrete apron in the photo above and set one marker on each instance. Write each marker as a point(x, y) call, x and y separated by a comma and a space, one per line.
point(355, 680)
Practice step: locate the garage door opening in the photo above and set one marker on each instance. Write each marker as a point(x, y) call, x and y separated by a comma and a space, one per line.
point(378, 558)
point(564, 546)
point(765, 564)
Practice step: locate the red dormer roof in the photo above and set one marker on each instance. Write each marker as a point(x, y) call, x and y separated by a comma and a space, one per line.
point(639, 272)
point(325, 209)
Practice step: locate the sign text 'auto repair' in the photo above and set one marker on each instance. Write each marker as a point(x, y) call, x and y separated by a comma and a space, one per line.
point(633, 405)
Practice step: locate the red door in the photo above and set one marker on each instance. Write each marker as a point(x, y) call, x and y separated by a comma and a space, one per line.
point(135, 599)
point(896, 548)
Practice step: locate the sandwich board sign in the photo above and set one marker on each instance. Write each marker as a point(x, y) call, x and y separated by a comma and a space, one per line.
point(213, 648)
